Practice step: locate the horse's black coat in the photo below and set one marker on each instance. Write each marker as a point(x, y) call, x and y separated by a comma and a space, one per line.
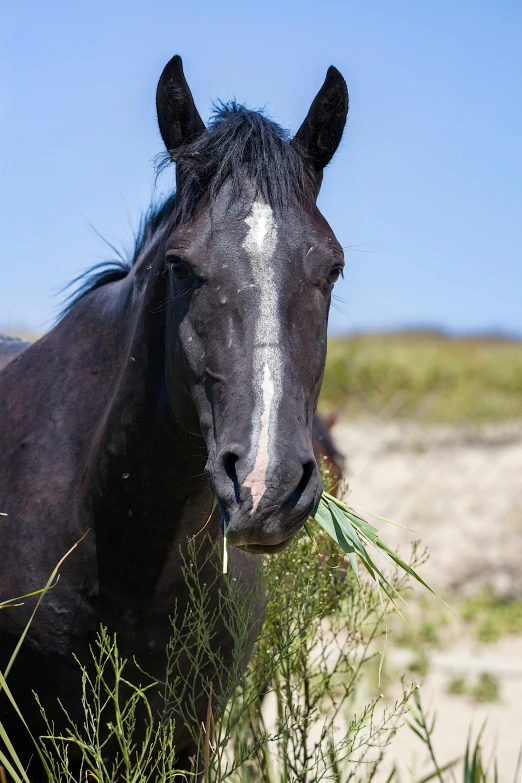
point(114, 422)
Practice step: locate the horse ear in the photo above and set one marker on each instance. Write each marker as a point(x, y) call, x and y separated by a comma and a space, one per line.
point(320, 134)
point(178, 119)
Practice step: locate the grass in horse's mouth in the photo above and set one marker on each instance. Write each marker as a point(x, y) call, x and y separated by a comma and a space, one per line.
point(354, 535)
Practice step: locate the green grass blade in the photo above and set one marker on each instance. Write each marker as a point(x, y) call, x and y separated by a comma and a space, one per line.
point(341, 530)
point(14, 756)
point(444, 768)
point(351, 532)
point(9, 767)
point(5, 687)
point(40, 599)
point(20, 598)
point(385, 519)
point(402, 563)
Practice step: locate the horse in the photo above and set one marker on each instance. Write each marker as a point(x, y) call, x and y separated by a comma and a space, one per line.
point(189, 374)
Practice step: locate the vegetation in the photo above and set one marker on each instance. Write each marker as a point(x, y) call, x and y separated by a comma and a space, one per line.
point(474, 770)
point(486, 688)
point(425, 376)
point(457, 685)
point(354, 536)
point(486, 617)
point(490, 618)
point(108, 750)
point(294, 715)
point(302, 712)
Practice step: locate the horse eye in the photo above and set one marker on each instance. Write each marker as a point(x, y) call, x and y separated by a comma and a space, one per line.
point(334, 275)
point(179, 269)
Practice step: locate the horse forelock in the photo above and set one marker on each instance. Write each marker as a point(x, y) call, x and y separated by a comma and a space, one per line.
point(247, 150)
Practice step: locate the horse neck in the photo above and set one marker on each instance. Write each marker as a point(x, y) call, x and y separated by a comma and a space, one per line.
point(146, 473)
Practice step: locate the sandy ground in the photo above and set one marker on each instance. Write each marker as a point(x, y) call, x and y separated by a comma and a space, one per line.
point(460, 489)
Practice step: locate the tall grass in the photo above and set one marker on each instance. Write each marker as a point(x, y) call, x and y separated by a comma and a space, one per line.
point(426, 376)
point(293, 714)
point(318, 637)
point(288, 716)
point(109, 750)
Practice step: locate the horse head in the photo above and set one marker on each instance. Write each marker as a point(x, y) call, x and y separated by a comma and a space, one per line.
point(250, 264)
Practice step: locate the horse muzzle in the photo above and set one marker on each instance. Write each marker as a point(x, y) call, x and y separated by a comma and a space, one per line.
point(265, 506)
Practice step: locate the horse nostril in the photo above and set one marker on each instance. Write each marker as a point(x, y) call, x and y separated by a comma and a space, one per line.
point(293, 500)
point(229, 461)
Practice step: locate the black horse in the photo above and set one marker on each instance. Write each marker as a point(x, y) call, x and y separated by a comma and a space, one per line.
point(192, 371)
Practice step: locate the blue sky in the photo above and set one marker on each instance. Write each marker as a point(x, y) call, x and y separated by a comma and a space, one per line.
point(425, 193)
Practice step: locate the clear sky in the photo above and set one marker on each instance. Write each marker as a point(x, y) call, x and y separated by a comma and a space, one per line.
point(425, 193)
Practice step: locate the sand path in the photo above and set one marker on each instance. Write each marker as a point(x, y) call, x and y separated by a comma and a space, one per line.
point(460, 488)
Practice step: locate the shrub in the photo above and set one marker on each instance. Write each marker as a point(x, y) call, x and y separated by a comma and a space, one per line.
point(320, 632)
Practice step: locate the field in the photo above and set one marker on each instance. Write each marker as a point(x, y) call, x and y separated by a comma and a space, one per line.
point(431, 428)
point(425, 376)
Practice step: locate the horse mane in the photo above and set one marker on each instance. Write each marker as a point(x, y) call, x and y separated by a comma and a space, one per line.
point(241, 147)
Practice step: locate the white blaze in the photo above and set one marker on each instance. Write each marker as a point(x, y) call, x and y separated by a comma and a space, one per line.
point(260, 243)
